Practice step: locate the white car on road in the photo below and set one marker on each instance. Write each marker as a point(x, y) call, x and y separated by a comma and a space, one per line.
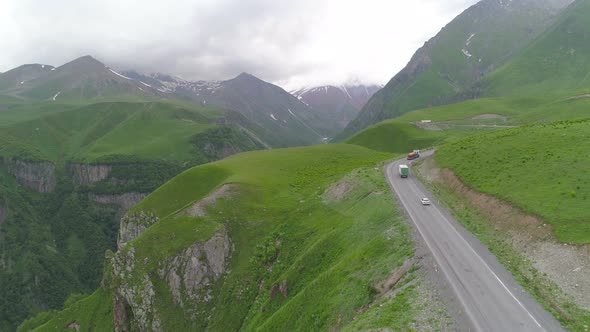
point(425, 201)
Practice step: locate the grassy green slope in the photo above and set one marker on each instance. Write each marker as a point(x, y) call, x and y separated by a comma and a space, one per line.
point(396, 137)
point(460, 120)
point(440, 70)
point(401, 135)
point(52, 245)
point(95, 310)
point(87, 133)
point(556, 63)
point(331, 251)
point(540, 168)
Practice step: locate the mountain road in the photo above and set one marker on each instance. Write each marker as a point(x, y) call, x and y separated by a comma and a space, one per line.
point(487, 293)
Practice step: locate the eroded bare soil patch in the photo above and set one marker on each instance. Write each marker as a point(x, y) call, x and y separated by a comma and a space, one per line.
point(489, 116)
point(199, 209)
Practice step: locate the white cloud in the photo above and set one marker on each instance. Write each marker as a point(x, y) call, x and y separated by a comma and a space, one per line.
point(290, 42)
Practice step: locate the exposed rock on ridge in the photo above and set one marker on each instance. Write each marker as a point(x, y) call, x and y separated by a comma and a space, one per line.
point(133, 225)
point(139, 297)
point(196, 267)
point(189, 276)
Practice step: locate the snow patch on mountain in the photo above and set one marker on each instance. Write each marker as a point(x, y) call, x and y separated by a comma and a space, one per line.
point(465, 51)
point(123, 76)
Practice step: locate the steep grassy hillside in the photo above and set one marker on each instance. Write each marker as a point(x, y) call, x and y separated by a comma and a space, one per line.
point(556, 63)
point(541, 169)
point(474, 44)
point(145, 130)
point(111, 130)
point(307, 254)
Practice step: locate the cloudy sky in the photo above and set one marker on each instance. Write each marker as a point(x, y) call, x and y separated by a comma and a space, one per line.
point(292, 43)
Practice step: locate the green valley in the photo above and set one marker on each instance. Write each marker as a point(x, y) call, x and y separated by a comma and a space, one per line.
point(71, 165)
point(150, 202)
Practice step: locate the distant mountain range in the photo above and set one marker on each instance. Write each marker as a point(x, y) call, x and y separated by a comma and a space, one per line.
point(279, 115)
point(340, 103)
point(306, 116)
point(276, 117)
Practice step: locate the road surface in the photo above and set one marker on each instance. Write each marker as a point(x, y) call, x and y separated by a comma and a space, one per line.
point(487, 293)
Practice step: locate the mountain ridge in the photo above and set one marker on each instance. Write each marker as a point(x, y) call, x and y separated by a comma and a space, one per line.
point(474, 44)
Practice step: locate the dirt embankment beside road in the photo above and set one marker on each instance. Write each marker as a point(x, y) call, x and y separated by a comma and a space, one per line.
point(565, 265)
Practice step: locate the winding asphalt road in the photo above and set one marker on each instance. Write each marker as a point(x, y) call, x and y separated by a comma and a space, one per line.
point(488, 294)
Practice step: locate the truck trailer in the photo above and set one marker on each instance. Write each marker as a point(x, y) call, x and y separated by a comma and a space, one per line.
point(414, 155)
point(404, 171)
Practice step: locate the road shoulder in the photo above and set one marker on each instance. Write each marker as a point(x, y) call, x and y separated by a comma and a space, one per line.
point(520, 243)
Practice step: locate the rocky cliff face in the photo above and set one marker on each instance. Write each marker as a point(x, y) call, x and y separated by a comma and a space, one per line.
point(124, 201)
point(38, 176)
point(83, 174)
point(133, 297)
point(189, 276)
point(196, 268)
point(133, 225)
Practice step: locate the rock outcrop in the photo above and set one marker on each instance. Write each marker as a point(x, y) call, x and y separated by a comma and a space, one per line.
point(132, 225)
point(38, 176)
point(133, 294)
point(85, 174)
point(196, 268)
point(189, 276)
point(124, 201)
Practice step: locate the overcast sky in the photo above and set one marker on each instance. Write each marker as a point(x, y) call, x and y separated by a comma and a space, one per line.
point(292, 43)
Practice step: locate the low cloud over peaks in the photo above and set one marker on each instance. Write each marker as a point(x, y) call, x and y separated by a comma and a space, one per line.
point(295, 43)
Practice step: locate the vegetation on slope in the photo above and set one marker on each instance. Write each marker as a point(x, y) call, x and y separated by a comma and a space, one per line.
point(52, 245)
point(331, 248)
point(555, 63)
point(541, 169)
point(95, 310)
point(452, 122)
point(474, 44)
point(88, 133)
